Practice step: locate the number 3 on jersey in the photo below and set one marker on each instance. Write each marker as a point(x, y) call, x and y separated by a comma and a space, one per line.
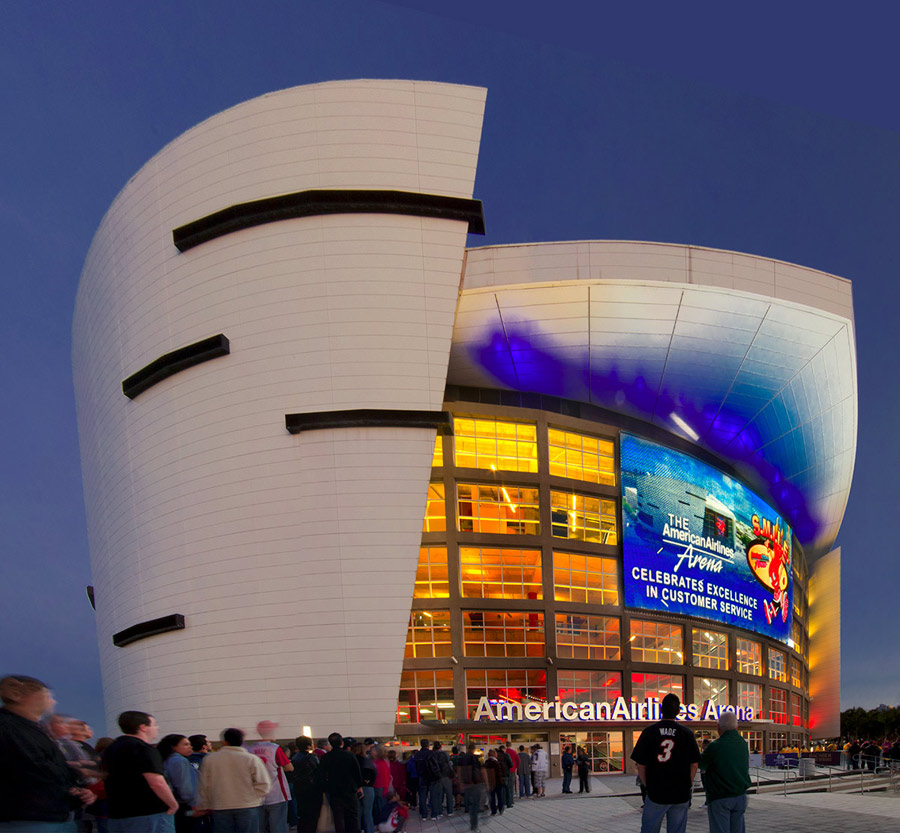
point(665, 750)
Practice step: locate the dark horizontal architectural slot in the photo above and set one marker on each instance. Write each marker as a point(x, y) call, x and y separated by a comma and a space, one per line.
point(315, 202)
point(172, 622)
point(177, 360)
point(369, 417)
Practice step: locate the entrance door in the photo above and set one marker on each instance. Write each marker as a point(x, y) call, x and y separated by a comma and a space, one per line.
point(606, 750)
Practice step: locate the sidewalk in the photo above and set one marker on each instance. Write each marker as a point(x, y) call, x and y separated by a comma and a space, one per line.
point(610, 808)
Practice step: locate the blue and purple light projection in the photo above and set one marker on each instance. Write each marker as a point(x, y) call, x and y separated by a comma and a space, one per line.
point(699, 543)
point(519, 357)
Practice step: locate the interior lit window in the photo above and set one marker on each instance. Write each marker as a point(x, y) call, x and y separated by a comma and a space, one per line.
point(605, 750)
point(656, 642)
point(583, 518)
point(428, 634)
point(796, 673)
point(431, 574)
point(491, 633)
point(591, 579)
point(797, 710)
point(485, 443)
point(748, 655)
point(750, 697)
point(710, 649)
point(777, 705)
point(777, 741)
point(596, 686)
point(425, 695)
point(435, 509)
point(712, 689)
point(580, 636)
point(797, 636)
point(437, 459)
point(655, 685)
point(493, 573)
point(754, 740)
point(505, 685)
point(581, 457)
point(508, 510)
point(777, 665)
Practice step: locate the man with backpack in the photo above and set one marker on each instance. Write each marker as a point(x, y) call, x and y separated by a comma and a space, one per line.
point(307, 786)
point(429, 771)
point(445, 779)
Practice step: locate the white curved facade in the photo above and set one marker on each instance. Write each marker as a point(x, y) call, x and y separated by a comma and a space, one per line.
point(291, 557)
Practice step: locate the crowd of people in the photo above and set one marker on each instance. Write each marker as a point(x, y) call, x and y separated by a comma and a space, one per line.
point(53, 781)
point(864, 753)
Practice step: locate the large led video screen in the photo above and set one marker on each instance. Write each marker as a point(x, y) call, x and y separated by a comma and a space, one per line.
point(699, 543)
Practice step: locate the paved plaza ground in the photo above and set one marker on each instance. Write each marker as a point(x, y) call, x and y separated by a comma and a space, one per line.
point(612, 807)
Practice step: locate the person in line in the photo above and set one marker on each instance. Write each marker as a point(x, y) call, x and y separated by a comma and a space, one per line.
point(307, 786)
point(455, 754)
point(524, 773)
point(583, 762)
point(568, 763)
point(398, 775)
point(726, 765)
point(512, 761)
point(540, 766)
point(412, 778)
point(667, 756)
point(367, 799)
point(342, 780)
point(200, 748)
point(496, 781)
point(323, 747)
point(38, 789)
point(382, 778)
point(273, 817)
point(445, 780)
point(138, 797)
point(429, 774)
point(472, 783)
point(175, 751)
point(232, 784)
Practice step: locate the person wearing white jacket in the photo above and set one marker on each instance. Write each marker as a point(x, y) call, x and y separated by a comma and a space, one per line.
point(233, 783)
point(540, 766)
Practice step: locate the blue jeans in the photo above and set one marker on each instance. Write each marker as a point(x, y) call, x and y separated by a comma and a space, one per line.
point(155, 823)
point(424, 793)
point(37, 827)
point(273, 817)
point(524, 784)
point(567, 780)
point(510, 794)
point(674, 814)
point(435, 791)
point(244, 820)
point(446, 794)
point(292, 809)
point(366, 805)
point(726, 815)
point(496, 796)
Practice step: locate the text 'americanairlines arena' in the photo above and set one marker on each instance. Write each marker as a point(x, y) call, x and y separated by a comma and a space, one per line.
point(342, 472)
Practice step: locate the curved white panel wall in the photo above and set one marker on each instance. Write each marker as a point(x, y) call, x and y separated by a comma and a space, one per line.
point(292, 557)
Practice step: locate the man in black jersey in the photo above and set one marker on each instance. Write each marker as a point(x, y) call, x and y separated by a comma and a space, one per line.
point(666, 755)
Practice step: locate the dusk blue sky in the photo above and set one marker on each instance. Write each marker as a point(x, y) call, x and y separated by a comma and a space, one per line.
point(777, 136)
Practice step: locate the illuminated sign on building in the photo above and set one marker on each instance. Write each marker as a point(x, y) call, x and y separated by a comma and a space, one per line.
point(697, 542)
point(619, 710)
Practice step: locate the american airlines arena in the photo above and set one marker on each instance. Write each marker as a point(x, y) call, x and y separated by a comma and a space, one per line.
point(343, 472)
